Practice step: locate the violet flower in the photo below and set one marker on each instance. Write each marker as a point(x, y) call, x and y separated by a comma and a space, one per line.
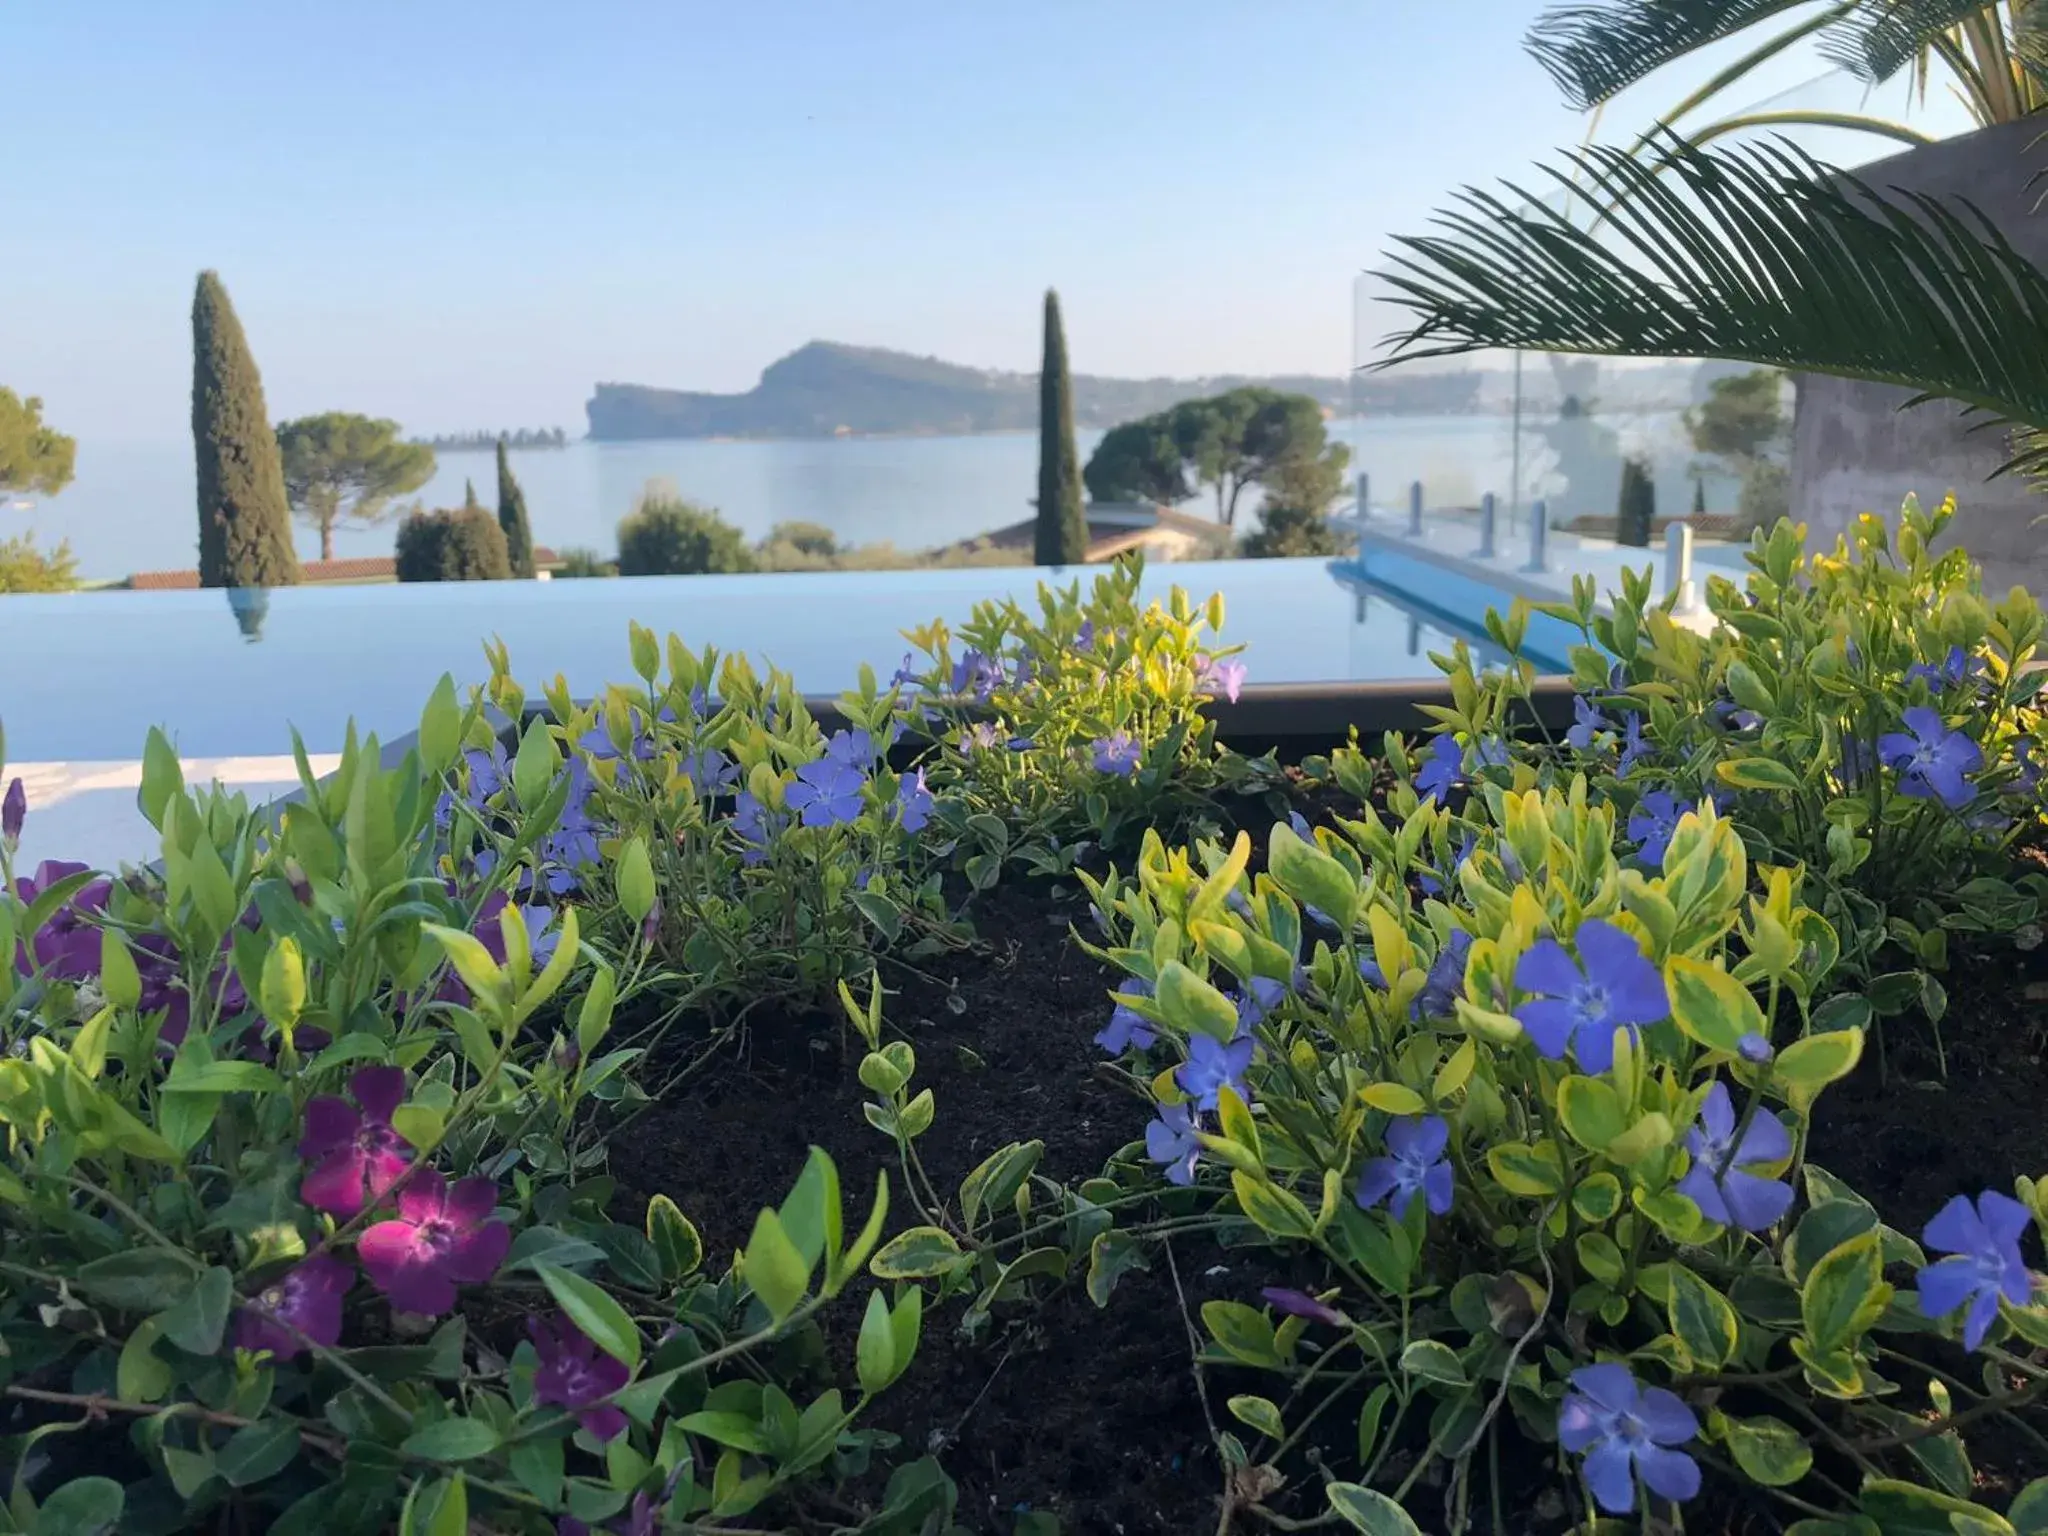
point(853, 749)
point(913, 801)
point(976, 674)
point(1932, 761)
point(574, 1375)
point(1612, 985)
point(1128, 1029)
point(1442, 770)
point(1587, 724)
point(1445, 983)
point(1717, 1181)
point(1626, 1433)
point(1432, 883)
point(306, 1298)
point(66, 947)
point(13, 811)
point(710, 771)
point(1633, 747)
point(1954, 669)
point(1261, 995)
point(1414, 1164)
point(356, 1155)
point(1215, 677)
point(490, 772)
point(1651, 825)
point(1117, 753)
point(1985, 1263)
point(755, 825)
point(1295, 1303)
point(443, 1236)
point(981, 734)
point(1084, 637)
point(1211, 1066)
point(827, 793)
point(1172, 1140)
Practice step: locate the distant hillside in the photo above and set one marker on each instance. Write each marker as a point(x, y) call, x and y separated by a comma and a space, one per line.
point(824, 387)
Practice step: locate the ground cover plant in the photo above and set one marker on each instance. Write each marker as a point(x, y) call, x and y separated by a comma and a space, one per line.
point(676, 1114)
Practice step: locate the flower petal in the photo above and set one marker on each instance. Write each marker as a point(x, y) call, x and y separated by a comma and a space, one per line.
point(1594, 1044)
point(470, 1201)
point(1956, 1228)
point(1610, 1384)
point(1580, 1421)
point(1717, 1113)
point(604, 1423)
point(1610, 1473)
point(1376, 1180)
point(1668, 1474)
point(1983, 1313)
point(1550, 1022)
point(1766, 1140)
point(380, 1090)
point(1755, 1203)
point(424, 1196)
point(330, 1122)
point(475, 1256)
point(1419, 1138)
point(1546, 968)
point(335, 1185)
point(1666, 1418)
point(1946, 1285)
point(1699, 1187)
point(1439, 1188)
point(2003, 1218)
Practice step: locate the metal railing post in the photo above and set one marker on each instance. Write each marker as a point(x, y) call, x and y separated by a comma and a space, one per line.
point(1415, 507)
point(1678, 583)
point(1539, 536)
point(1488, 511)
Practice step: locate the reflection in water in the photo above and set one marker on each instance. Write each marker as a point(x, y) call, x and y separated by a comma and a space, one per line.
point(250, 606)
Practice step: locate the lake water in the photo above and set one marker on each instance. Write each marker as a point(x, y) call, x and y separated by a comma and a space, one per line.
point(131, 507)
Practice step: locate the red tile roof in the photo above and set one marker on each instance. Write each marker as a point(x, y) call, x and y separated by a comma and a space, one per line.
point(313, 573)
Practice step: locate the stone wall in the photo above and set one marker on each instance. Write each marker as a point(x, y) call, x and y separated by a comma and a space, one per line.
point(1854, 450)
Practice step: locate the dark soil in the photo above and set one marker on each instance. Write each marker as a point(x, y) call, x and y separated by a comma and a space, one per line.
point(1092, 1414)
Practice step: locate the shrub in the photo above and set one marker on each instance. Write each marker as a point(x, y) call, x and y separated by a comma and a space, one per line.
point(463, 545)
point(1286, 532)
point(25, 568)
point(303, 1129)
point(584, 564)
point(1636, 511)
point(1765, 497)
point(1084, 722)
point(805, 538)
point(1865, 715)
point(666, 536)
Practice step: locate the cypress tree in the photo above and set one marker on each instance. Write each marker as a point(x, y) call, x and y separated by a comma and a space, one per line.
point(512, 518)
point(469, 501)
point(1062, 533)
point(1637, 512)
point(245, 528)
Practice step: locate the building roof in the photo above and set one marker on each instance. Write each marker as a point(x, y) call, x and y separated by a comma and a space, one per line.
point(1114, 528)
point(314, 573)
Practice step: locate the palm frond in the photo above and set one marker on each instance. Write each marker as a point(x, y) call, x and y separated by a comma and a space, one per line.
point(1759, 254)
point(1885, 36)
point(1596, 51)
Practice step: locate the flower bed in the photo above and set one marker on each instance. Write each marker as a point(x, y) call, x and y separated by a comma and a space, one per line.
point(669, 1114)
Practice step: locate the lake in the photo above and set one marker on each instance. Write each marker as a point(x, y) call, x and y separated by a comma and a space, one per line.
point(131, 507)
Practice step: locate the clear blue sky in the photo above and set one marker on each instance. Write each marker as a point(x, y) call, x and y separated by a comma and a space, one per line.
point(464, 214)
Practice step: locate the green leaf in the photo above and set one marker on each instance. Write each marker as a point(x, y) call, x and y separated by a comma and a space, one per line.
point(1432, 1360)
point(138, 1280)
point(1521, 1169)
point(257, 1451)
point(881, 912)
point(548, 1245)
point(1843, 1295)
point(141, 1376)
point(1769, 1451)
point(439, 1508)
point(995, 1181)
point(677, 1246)
point(2029, 1513)
point(1243, 1332)
point(85, 1506)
point(1366, 1509)
point(1824, 1228)
point(1260, 1413)
point(189, 1076)
point(1702, 1318)
point(733, 1429)
point(1272, 1209)
point(1191, 1004)
point(875, 1352)
point(538, 1466)
point(1906, 1509)
point(1312, 876)
point(1591, 1111)
point(199, 1321)
point(1710, 1005)
point(1111, 1256)
point(603, 1321)
point(775, 1270)
point(1809, 1065)
point(453, 1440)
point(920, 1253)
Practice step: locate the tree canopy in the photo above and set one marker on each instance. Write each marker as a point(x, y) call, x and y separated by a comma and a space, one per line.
point(245, 528)
point(463, 545)
point(1228, 442)
point(1742, 417)
point(512, 518)
point(342, 467)
point(666, 536)
point(32, 456)
point(1061, 536)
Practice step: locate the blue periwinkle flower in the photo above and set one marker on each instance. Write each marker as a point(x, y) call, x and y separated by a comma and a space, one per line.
point(1633, 747)
point(1612, 985)
point(1718, 1181)
point(1128, 1029)
point(1446, 981)
point(1983, 1242)
point(1651, 824)
point(1730, 716)
point(1284, 1298)
point(1932, 760)
point(1587, 724)
point(1431, 882)
point(1442, 769)
point(826, 793)
point(1954, 669)
point(1262, 994)
point(1753, 1047)
point(490, 771)
point(976, 674)
point(710, 771)
point(981, 734)
point(756, 826)
point(1414, 1164)
point(1084, 637)
point(1626, 1432)
point(1211, 1066)
point(853, 749)
point(1172, 1140)
point(913, 801)
point(1117, 753)
point(1225, 678)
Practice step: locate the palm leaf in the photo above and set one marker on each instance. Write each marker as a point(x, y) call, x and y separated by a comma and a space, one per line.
point(1759, 255)
point(1885, 36)
point(1596, 51)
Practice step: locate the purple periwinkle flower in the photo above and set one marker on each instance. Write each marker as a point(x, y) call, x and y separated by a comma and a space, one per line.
point(1633, 747)
point(1225, 678)
point(306, 1300)
point(976, 674)
point(913, 801)
point(1587, 724)
point(1954, 669)
point(1211, 1066)
point(1984, 1263)
point(1625, 1432)
point(1445, 983)
point(1084, 637)
point(1612, 985)
point(574, 1375)
point(66, 947)
point(1261, 995)
point(1442, 770)
point(1117, 753)
point(853, 749)
point(490, 771)
point(982, 734)
point(443, 1236)
point(1718, 1181)
point(826, 793)
point(1932, 761)
point(1431, 882)
point(1651, 824)
point(710, 771)
point(1128, 1029)
point(1173, 1140)
point(1415, 1164)
point(355, 1155)
point(1295, 1303)
point(13, 810)
point(756, 826)
point(1754, 1048)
